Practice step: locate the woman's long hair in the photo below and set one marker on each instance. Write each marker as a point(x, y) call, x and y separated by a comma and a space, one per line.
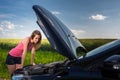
point(36, 32)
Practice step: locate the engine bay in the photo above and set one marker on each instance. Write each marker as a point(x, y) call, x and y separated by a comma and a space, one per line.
point(41, 69)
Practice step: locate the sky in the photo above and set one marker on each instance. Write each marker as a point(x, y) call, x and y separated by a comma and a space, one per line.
point(85, 18)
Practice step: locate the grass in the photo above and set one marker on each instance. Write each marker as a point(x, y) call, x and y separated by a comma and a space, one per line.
point(91, 44)
point(45, 54)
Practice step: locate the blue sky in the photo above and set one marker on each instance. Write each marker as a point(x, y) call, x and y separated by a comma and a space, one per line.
point(85, 18)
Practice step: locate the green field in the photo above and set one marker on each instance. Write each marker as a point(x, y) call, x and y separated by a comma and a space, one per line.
point(45, 54)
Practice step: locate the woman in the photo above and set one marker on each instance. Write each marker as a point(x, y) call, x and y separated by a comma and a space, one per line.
point(16, 56)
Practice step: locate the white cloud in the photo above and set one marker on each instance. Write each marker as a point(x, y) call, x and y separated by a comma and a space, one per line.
point(98, 17)
point(9, 34)
point(6, 15)
point(77, 32)
point(21, 26)
point(7, 24)
point(2, 16)
point(9, 29)
point(55, 12)
point(1, 28)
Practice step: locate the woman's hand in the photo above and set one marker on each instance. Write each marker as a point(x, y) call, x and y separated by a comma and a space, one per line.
point(33, 64)
point(19, 66)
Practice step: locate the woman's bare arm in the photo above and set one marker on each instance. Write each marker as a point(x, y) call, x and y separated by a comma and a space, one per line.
point(25, 42)
point(32, 56)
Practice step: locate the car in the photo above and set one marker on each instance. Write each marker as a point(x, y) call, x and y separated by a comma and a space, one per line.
point(102, 63)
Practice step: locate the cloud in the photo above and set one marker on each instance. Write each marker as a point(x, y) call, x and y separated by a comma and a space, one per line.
point(6, 15)
point(97, 17)
point(1, 28)
point(6, 25)
point(55, 12)
point(77, 32)
point(9, 29)
point(2, 16)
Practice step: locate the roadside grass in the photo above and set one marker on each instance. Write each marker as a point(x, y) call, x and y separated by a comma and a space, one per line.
point(91, 44)
point(3, 68)
point(46, 54)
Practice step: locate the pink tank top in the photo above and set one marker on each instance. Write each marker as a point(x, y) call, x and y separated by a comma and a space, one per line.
point(18, 50)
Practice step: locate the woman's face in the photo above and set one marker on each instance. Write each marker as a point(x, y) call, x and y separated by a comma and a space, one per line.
point(36, 38)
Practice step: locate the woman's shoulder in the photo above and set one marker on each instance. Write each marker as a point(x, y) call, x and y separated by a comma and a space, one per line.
point(26, 40)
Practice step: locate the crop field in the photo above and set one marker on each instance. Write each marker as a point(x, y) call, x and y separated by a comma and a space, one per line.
point(46, 54)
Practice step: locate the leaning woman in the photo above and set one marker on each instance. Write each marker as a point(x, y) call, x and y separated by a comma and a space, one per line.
point(16, 56)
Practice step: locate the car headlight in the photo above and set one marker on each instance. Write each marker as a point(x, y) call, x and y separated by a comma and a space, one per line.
point(116, 66)
point(17, 77)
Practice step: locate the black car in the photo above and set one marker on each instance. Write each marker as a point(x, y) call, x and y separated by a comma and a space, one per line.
point(102, 63)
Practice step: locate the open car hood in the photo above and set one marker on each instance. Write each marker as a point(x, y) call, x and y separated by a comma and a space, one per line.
point(59, 36)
